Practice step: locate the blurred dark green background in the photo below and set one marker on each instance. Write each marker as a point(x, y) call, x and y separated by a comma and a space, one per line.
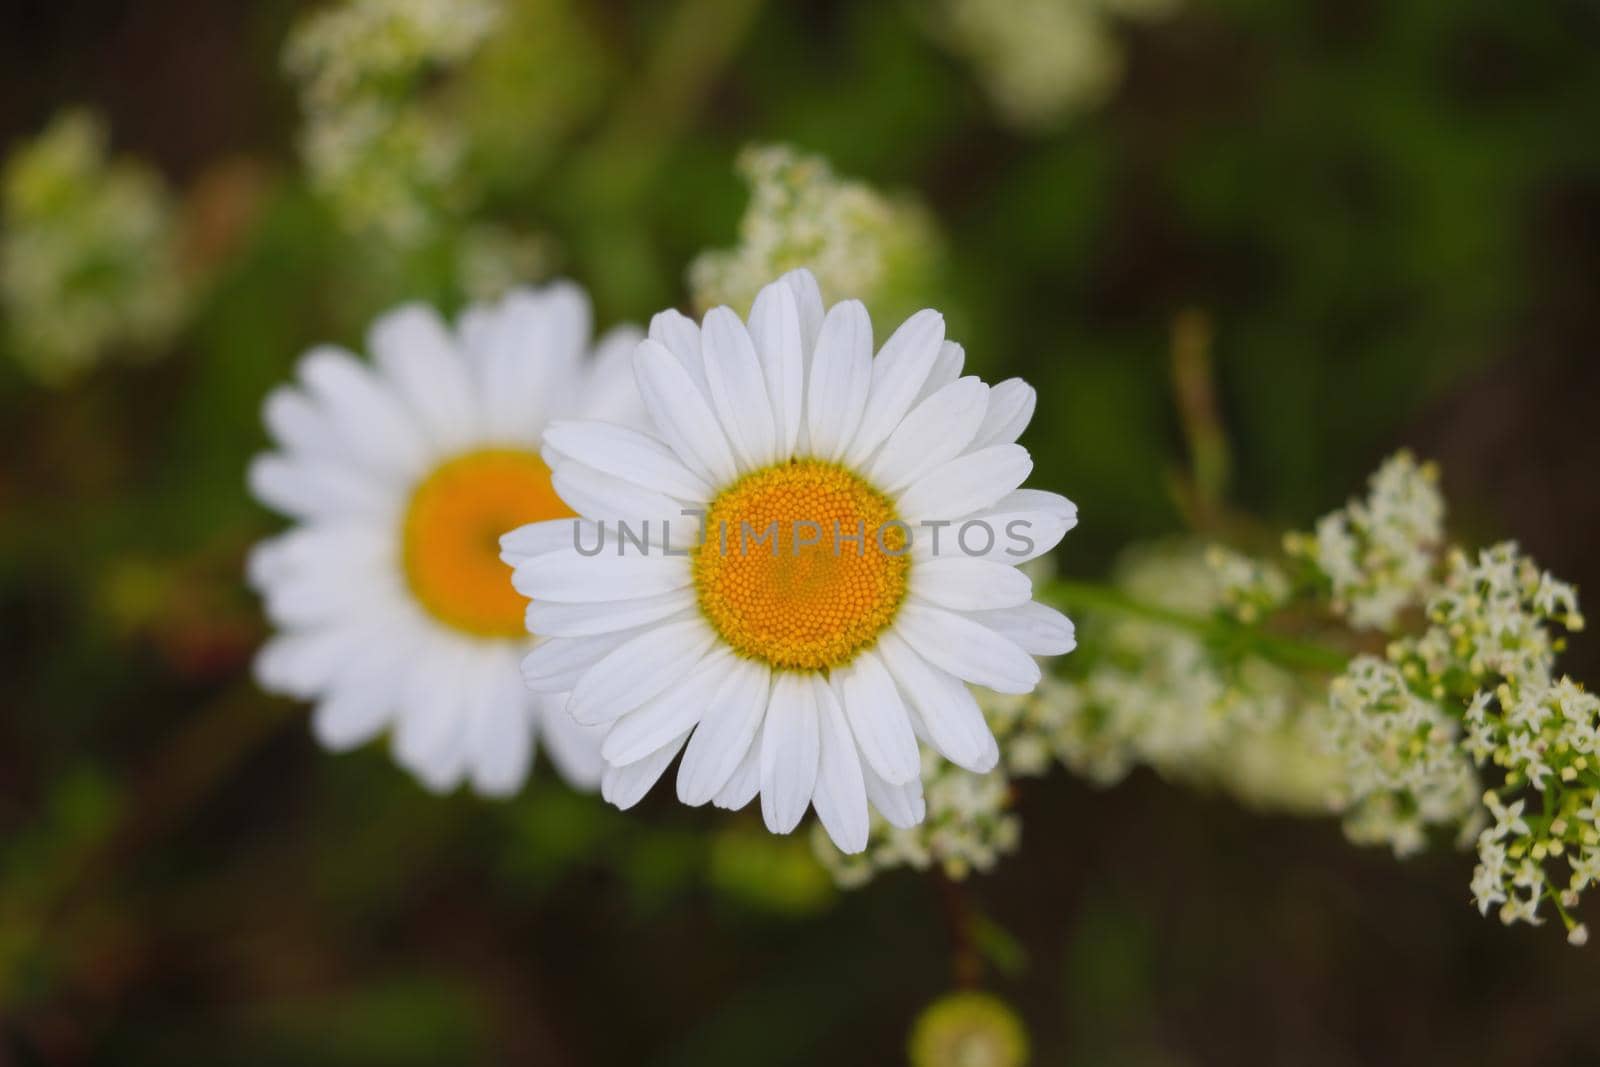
point(1389, 214)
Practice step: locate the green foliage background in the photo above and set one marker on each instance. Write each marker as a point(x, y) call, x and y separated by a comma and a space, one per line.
point(1388, 213)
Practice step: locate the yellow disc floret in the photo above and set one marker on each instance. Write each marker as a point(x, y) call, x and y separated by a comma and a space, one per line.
point(802, 565)
point(452, 537)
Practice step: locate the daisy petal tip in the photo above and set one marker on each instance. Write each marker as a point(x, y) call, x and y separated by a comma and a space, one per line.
point(986, 760)
point(852, 842)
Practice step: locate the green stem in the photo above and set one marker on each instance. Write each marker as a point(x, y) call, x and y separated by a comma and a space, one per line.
point(1288, 651)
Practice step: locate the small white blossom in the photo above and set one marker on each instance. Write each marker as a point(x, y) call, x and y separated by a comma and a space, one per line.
point(89, 252)
point(1380, 552)
point(1159, 697)
point(855, 240)
point(386, 161)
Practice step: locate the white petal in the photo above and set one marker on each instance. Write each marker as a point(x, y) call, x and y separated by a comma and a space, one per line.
point(556, 663)
point(417, 353)
point(1038, 500)
point(682, 414)
point(367, 417)
point(552, 535)
point(789, 748)
point(966, 483)
point(319, 599)
point(314, 489)
point(840, 796)
point(1020, 526)
point(639, 669)
point(726, 732)
point(1011, 405)
point(966, 649)
point(626, 786)
point(841, 375)
point(608, 391)
point(600, 496)
point(969, 584)
point(528, 351)
point(672, 712)
point(775, 329)
point(678, 334)
point(901, 805)
point(739, 389)
point(299, 425)
point(952, 718)
point(936, 431)
point(574, 749)
point(576, 579)
point(551, 619)
point(435, 711)
point(878, 718)
point(946, 368)
point(326, 573)
point(808, 299)
point(302, 663)
point(629, 455)
point(898, 375)
point(501, 735)
point(745, 783)
point(443, 772)
point(352, 715)
point(1037, 629)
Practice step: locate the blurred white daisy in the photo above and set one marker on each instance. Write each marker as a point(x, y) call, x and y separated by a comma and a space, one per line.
point(863, 528)
point(401, 475)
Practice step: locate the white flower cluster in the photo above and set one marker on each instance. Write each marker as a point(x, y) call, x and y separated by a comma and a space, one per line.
point(1472, 690)
point(969, 823)
point(386, 161)
point(1042, 61)
point(1490, 651)
point(89, 252)
point(1159, 696)
point(855, 240)
point(1404, 769)
point(968, 827)
point(1250, 588)
point(1380, 553)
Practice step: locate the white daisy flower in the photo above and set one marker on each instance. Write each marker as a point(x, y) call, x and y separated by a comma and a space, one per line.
point(401, 475)
point(801, 648)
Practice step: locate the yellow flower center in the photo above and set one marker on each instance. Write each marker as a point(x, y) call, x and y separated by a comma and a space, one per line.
point(802, 566)
point(452, 537)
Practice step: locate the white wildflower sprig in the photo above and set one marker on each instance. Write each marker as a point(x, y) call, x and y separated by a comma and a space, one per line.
point(1490, 652)
point(1250, 588)
point(1380, 553)
point(89, 252)
point(970, 822)
point(1161, 696)
point(969, 825)
point(388, 162)
point(857, 241)
point(1404, 770)
point(1469, 690)
point(1192, 677)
